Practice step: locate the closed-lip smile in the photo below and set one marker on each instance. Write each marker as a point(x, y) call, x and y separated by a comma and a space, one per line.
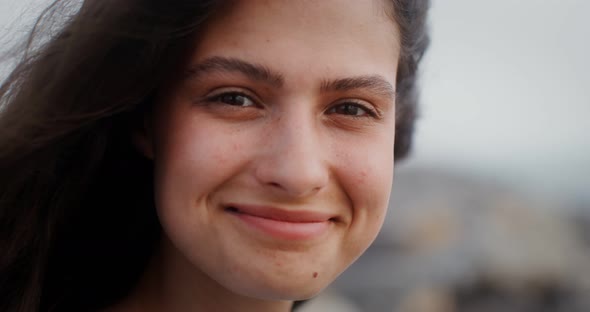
point(283, 223)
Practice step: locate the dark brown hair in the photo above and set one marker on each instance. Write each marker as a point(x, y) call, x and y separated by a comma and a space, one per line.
point(77, 218)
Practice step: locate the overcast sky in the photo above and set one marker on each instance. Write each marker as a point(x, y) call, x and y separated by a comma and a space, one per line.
point(506, 91)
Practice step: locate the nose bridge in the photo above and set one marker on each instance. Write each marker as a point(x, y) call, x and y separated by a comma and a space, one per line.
point(297, 136)
point(293, 160)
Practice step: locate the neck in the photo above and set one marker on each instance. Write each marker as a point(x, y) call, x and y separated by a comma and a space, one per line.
point(171, 283)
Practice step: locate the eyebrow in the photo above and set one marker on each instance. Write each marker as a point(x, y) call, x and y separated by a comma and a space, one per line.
point(223, 64)
point(374, 83)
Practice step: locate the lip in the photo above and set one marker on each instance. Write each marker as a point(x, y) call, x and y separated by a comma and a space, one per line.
point(281, 223)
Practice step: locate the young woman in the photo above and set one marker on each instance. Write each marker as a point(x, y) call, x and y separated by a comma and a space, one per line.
point(201, 155)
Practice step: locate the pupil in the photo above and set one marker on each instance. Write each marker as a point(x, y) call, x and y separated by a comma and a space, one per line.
point(349, 109)
point(233, 99)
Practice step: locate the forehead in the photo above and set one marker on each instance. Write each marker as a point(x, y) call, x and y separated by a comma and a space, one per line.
point(318, 13)
point(326, 35)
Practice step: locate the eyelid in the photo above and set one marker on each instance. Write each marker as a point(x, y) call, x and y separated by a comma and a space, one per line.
point(372, 110)
point(216, 92)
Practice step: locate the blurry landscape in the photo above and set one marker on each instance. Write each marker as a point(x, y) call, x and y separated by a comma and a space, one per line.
point(492, 210)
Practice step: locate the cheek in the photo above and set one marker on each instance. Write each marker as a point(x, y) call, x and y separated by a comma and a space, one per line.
point(193, 157)
point(367, 176)
point(369, 171)
point(194, 145)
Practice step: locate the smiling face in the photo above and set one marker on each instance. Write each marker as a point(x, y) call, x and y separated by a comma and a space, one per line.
point(274, 154)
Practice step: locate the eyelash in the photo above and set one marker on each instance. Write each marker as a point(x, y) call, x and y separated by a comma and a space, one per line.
point(368, 112)
point(217, 98)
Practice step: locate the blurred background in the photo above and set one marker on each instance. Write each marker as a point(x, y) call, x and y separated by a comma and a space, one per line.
point(491, 212)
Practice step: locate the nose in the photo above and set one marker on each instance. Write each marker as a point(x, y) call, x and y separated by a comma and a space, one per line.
point(292, 161)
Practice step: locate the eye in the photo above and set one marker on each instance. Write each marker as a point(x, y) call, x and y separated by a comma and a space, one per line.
point(233, 98)
point(352, 109)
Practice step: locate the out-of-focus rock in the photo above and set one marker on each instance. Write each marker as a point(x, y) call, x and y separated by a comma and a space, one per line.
point(427, 300)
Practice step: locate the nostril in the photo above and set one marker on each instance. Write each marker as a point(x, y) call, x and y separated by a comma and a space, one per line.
point(231, 209)
point(275, 184)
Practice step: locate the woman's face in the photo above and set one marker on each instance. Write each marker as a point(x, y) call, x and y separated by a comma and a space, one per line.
point(274, 153)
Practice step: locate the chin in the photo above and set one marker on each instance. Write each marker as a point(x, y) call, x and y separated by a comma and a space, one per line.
point(290, 294)
point(285, 290)
point(301, 293)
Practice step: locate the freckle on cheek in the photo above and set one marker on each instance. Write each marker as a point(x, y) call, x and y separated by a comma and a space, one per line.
point(220, 159)
point(362, 177)
point(315, 274)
